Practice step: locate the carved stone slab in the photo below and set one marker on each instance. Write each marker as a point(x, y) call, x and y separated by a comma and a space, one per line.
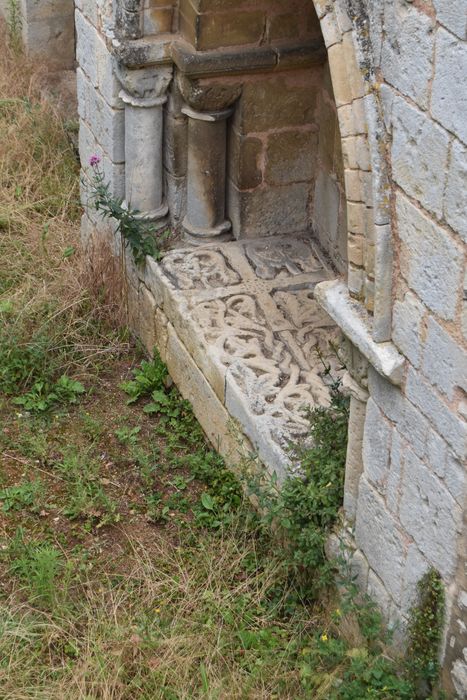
point(247, 315)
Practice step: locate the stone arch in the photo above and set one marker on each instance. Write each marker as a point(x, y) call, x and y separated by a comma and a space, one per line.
point(363, 146)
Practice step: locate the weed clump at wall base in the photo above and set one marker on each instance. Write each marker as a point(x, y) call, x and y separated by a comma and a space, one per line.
point(425, 630)
point(306, 506)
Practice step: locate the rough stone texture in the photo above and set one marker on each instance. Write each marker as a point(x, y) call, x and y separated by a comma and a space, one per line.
point(452, 427)
point(448, 103)
point(376, 447)
point(378, 536)
point(407, 320)
point(419, 155)
point(453, 14)
point(433, 524)
point(430, 260)
point(408, 49)
point(455, 196)
point(444, 362)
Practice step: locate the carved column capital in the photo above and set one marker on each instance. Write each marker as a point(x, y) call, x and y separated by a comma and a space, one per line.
point(204, 95)
point(142, 87)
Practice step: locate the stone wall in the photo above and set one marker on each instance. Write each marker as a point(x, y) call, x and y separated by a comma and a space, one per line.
point(410, 509)
point(368, 138)
point(47, 30)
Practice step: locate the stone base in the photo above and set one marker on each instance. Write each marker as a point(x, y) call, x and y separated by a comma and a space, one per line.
point(243, 337)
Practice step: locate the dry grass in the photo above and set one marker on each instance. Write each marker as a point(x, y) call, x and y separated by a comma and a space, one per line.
point(170, 628)
point(48, 293)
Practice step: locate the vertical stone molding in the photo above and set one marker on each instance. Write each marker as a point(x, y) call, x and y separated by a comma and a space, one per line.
point(354, 460)
point(144, 122)
point(207, 144)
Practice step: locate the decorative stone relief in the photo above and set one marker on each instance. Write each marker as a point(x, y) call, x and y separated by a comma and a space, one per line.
point(247, 312)
point(200, 269)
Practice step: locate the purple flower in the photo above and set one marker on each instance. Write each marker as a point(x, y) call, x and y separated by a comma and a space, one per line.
point(94, 160)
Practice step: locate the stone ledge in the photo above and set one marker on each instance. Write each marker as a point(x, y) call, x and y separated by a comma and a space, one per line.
point(354, 322)
point(244, 60)
point(170, 48)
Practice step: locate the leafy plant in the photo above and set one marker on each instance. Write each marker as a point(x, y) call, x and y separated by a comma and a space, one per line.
point(86, 497)
point(27, 495)
point(148, 377)
point(38, 565)
point(306, 506)
point(128, 436)
point(44, 395)
point(425, 630)
point(138, 234)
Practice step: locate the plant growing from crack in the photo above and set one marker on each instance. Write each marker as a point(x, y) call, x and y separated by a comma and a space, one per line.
point(138, 234)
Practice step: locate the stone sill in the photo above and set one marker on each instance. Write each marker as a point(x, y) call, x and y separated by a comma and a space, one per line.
point(353, 320)
point(167, 48)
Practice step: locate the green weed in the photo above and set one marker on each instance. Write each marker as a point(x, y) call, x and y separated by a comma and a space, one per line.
point(148, 377)
point(306, 506)
point(138, 234)
point(426, 624)
point(128, 436)
point(43, 395)
point(38, 565)
point(86, 498)
point(29, 495)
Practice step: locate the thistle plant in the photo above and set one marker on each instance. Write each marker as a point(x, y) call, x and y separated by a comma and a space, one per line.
point(138, 234)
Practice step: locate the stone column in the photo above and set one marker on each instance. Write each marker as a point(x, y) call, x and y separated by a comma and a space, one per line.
point(144, 96)
point(206, 174)
point(144, 188)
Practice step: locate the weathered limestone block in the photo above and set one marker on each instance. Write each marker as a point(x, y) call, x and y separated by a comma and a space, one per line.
point(379, 537)
point(280, 101)
point(410, 423)
point(407, 327)
point(444, 362)
point(354, 461)
point(419, 155)
point(448, 100)
point(455, 196)
point(291, 157)
point(268, 212)
point(430, 260)
point(376, 447)
point(408, 49)
point(436, 520)
point(451, 426)
point(453, 14)
point(48, 31)
point(245, 154)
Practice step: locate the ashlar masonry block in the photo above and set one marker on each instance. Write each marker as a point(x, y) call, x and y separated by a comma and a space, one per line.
point(378, 536)
point(430, 260)
point(436, 521)
point(419, 155)
point(408, 49)
point(448, 100)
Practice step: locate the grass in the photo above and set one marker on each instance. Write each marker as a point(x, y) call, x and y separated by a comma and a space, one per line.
point(131, 565)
